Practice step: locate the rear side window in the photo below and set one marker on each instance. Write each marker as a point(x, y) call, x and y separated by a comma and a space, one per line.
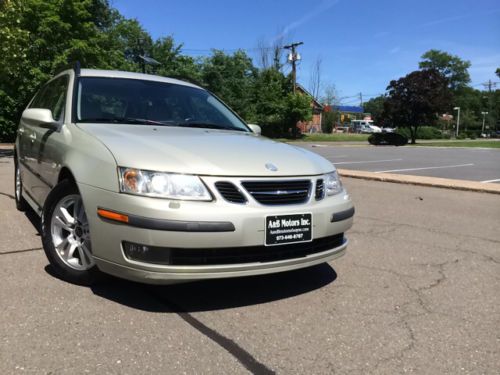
point(52, 96)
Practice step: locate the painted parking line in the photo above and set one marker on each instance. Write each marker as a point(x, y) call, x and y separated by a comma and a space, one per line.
point(366, 161)
point(488, 181)
point(424, 168)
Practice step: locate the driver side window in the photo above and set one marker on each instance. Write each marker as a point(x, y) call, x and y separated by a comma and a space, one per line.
point(52, 96)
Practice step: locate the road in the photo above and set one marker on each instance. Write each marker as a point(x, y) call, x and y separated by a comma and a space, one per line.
point(473, 164)
point(416, 292)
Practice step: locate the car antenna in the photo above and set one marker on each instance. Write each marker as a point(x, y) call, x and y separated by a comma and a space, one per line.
point(77, 68)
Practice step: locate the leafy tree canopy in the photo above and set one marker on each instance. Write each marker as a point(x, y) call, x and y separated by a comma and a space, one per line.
point(416, 99)
point(452, 67)
point(375, 107)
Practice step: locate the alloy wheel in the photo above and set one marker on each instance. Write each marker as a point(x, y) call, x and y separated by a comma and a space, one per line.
point(69, 228)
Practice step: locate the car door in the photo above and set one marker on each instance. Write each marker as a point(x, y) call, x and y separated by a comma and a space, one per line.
point(27, 152)
point(44, 162)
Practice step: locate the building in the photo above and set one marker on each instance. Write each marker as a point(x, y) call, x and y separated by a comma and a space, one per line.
point(313, 126)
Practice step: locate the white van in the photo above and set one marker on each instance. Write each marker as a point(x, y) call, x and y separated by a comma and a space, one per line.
point(364, 126)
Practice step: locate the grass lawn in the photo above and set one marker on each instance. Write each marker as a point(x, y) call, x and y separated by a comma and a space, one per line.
point(463, 143)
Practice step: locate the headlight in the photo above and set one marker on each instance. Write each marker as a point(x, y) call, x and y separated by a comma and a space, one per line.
point(332, 183)
point(162, 185)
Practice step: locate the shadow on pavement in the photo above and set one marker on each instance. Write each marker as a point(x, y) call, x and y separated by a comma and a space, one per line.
point(215, 294)
point(34, 219)
point(6, 153)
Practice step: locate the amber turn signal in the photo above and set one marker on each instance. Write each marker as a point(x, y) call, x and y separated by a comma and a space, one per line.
point(110, 215)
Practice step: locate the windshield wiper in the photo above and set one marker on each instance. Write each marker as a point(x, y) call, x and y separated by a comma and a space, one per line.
point(207, 125)
point(124, 120)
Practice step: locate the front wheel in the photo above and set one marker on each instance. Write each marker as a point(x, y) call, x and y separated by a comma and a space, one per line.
point(66, 235)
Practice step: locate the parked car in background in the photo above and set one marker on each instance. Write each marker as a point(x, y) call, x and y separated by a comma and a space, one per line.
point(393, 139)
point(156, 180)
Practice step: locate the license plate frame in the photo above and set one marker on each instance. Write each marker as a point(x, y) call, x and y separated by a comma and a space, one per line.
point(286, 229)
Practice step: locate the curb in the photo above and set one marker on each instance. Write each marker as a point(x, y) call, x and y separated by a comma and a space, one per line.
point(423, 181)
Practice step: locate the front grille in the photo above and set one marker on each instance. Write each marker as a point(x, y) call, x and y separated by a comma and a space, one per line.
point(232, 255)
point(320, 189)
point(230, 192)
point(279, 192)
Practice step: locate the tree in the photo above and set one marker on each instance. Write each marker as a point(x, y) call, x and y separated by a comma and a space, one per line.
point(297, 108)
point(315, 78)
point(231, 77)
point(452, 67)
point(40, 38)
point(328, 121)
point(330, 95)
point(173, 63)
point(375, 107)
point(497, 72)
point(416, 99)
point(270, 55)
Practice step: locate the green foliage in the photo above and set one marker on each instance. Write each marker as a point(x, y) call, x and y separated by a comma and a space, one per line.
point(232, 78)
point(375, 107)
point(297, 108)
point(424, 132)
point(40, 38)
point(452, 67)
point(328, 121)
point(415, 99)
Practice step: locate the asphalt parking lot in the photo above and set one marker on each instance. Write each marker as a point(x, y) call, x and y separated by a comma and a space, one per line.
point(416, 292)
point(473, 164)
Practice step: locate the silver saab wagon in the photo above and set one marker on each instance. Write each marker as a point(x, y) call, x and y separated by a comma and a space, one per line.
point(156, 180)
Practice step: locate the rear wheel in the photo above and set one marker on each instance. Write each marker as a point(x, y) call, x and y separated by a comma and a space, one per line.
point(66, 235)
point(21, 203)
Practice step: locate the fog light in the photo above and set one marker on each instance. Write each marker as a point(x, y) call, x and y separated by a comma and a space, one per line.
point(144, 253)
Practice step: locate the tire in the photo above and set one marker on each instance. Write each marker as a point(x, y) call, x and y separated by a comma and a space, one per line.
point(21, 203)
point(66, 236)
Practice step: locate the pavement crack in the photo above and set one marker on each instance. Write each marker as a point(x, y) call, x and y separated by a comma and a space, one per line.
point(438, 231)
point(20, 251)
point(8, 195)
point(241, 355)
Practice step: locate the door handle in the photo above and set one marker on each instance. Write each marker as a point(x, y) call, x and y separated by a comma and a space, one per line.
point(33, 136)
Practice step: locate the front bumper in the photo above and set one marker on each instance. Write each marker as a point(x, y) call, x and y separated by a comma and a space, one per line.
point(175, 274)
point(248, 221)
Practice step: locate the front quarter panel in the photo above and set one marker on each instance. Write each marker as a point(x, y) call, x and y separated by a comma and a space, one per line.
point(90, 162)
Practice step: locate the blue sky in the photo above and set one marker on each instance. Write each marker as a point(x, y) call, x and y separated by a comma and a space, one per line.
point(362, 44)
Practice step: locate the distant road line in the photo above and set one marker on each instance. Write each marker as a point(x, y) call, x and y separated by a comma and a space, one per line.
point(488, 181)
point(366, 161)
point(424, 168)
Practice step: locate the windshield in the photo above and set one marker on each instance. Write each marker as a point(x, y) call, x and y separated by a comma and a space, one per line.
point(142, 102)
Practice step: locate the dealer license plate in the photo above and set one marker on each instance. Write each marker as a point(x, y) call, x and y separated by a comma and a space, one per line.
point(282, 229)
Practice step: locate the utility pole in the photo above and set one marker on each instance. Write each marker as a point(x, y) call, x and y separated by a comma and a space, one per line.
point(361, 99)
point(488, 85)
point(293, 57)
point(484, 115)
point(458, 120)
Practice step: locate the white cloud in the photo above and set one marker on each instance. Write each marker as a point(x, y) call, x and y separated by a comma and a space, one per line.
point(323, 6)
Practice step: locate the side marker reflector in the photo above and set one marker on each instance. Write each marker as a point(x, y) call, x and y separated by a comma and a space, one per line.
point(110, 215)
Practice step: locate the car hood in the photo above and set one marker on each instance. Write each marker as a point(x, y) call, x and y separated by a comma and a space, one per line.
point(204, 151)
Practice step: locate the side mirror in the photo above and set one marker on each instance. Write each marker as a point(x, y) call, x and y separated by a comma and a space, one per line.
point(40, 117)
point(255, 128)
